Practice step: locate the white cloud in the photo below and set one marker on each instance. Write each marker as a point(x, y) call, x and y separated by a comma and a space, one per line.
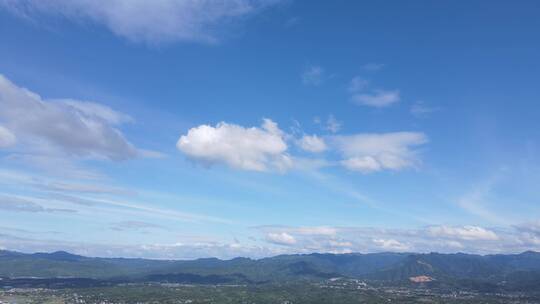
point(65, 185)
point(312, 143)
point(313, 75)
point(378, 99)
point(105, 200)
point(74, 127)
point(285, 240)
point(420, 109)
point(374, 98)
point(332, 124)
point(302, 230)
point(358, 84)
point(477, 201)
point(257, 149)
point(97, 111)
point(372, 67)
point(282, 238)
point(156, 21)
point(446, 239)
point(54, 164)
point(365, 164)
point(265, 148)
point(6, 138)
point(308, 164)
point(390, 244)
point(531, 227)
point(16, 204)
point(375, 152)
point(463, 233)
point(338, 244)
point(134, 226)
point(192, 248)
point(317, 230)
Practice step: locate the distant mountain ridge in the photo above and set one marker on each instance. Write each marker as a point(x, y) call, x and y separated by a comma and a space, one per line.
point(390, 267)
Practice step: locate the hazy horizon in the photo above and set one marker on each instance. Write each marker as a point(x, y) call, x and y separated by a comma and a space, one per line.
point(266, 257)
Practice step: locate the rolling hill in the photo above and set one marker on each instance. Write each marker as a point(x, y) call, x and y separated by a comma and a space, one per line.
point(512, 270)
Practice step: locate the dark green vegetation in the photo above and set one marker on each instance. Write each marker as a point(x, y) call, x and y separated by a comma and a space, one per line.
point(62, 264)
point(490, 273)
point(343, 292)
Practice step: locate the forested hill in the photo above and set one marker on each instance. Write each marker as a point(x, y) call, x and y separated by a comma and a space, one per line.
point(374, 266)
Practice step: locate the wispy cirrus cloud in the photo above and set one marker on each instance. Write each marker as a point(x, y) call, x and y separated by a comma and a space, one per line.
point(7, 138)
point(332, 124)
point(85, 197)
point(151, 22)
point(421, 109)
point(373, 66)
point(134, 225)
point(476, 201)
point(16, 204)
point(313, 75)
point(377, 99)
point(34, 181)
point(362, 94)
point(375, 152)
point(53, 162)
point(312, 143)
point(358, 84)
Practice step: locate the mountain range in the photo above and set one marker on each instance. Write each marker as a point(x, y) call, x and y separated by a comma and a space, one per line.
point(514, 270)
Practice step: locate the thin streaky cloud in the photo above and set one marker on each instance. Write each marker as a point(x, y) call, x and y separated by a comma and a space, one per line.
point(377, 99)
point(373, 67)
point(149, 22)
point(421, 109)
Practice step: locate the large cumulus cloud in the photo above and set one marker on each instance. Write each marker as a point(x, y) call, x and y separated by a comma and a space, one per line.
point(74, 127)
point(254, 148)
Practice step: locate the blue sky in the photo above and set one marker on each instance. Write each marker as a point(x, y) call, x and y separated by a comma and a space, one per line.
point(172, 129)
